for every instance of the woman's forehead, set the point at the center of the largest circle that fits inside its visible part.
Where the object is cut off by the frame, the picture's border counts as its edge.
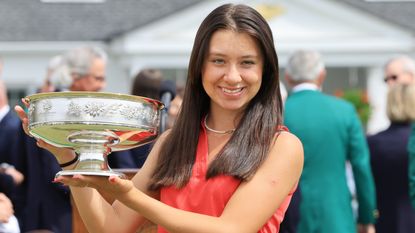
(226, 41)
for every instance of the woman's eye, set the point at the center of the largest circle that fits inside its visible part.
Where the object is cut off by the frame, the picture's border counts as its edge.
(247, 63)
(218, 61)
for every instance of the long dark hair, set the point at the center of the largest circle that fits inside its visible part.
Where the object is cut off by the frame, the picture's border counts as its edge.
(249, 144)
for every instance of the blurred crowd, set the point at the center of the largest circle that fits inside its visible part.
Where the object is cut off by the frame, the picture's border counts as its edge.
(334, 140)
(29, 200)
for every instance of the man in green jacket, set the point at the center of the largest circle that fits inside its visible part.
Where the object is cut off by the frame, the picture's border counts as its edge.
(331, 133)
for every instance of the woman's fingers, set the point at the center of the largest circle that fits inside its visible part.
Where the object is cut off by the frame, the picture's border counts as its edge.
(123, 185)
(25, 102)
(23, 117)
(79, 180)
(20, 112)
(113, 184)
(75, 180)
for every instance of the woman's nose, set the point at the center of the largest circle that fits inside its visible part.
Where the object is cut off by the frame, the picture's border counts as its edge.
(232, 74)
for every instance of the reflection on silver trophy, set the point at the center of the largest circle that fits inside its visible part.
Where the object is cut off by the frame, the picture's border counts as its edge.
(93, 124)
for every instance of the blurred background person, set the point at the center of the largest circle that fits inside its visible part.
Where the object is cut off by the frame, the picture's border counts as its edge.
(410, 111)
(399, 69)
(43, 205)
(389, 160)
(147, 83)
(10, 178)
(332, 134)
(58, 76)
(54, 63)
(87, 66)
(9, 125)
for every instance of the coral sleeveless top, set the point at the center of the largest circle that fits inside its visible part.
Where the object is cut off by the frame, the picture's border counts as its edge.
(210, 196)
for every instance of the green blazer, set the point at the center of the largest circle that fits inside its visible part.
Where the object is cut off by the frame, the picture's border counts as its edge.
(331, 133)
(411, 149)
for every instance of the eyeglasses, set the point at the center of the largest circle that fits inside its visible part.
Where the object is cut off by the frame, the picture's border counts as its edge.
(390, 77)
(97, 78)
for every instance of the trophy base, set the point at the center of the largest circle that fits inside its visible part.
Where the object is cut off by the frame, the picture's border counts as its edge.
(89, 173)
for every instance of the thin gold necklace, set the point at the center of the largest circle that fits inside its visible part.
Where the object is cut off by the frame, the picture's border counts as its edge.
(217, 131)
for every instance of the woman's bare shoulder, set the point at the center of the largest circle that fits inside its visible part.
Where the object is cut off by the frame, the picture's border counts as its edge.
(287, 139)
(288, 145)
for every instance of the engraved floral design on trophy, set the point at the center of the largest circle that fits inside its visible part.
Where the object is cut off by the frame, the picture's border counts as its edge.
(129, 112)
(94, 109)
(46, 106)
(114, 109)
(74, 109)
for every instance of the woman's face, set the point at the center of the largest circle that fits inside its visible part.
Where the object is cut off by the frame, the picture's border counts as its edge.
(232, 70)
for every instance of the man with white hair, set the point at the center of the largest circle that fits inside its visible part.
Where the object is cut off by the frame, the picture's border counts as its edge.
(402, 69)
(399, 69)
(87, 68)
(331, 133)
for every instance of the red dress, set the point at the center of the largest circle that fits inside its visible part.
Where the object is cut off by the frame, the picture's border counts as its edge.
(211, 196)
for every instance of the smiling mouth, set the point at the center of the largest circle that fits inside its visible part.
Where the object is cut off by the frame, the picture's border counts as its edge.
(232, 91)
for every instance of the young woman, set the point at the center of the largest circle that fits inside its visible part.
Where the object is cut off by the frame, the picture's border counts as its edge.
(227, 165)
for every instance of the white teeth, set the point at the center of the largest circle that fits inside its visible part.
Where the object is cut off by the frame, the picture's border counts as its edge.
(233, 91)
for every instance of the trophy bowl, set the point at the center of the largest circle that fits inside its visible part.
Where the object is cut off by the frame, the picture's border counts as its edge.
(93, 124)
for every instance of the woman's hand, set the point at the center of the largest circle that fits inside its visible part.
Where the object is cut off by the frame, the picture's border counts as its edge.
(22, 115)
(112, 187)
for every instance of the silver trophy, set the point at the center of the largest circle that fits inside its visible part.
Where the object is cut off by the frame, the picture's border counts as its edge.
(93, 124)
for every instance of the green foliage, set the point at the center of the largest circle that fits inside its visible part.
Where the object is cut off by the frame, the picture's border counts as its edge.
(359, 99)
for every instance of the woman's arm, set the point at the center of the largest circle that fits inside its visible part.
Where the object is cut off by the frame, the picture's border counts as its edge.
(253, 203)
(97, 214)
